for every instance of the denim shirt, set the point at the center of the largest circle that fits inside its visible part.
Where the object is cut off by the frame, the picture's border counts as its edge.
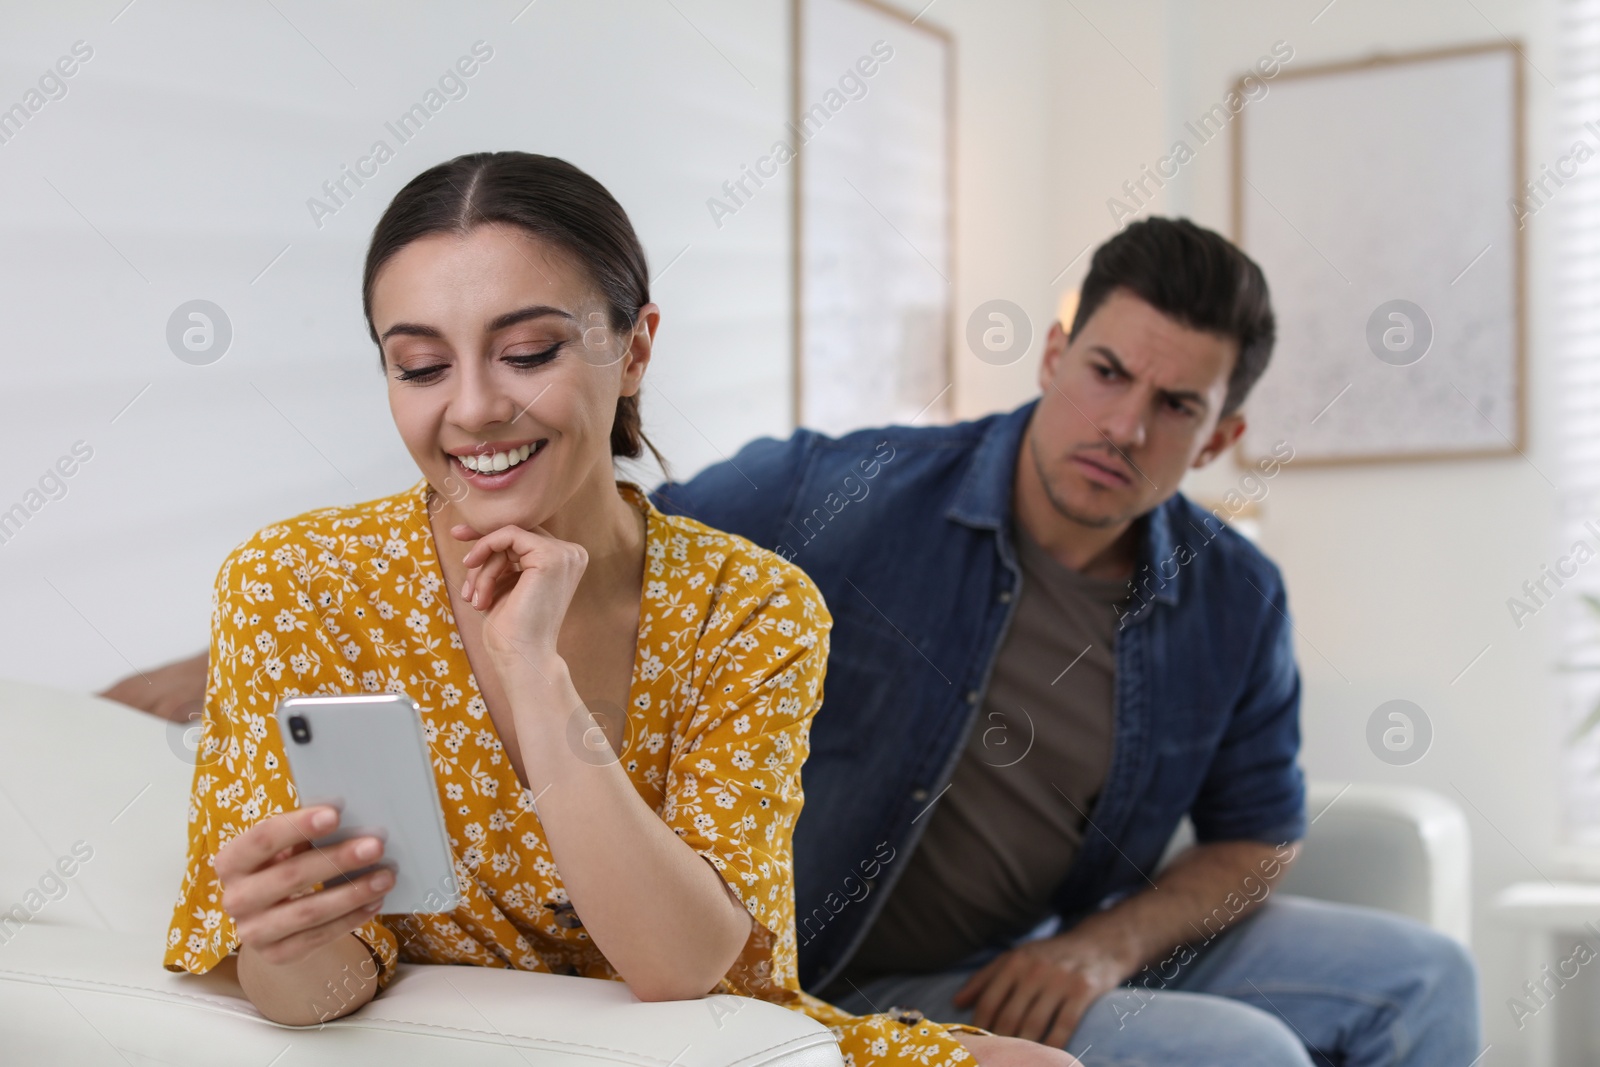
(908, 532)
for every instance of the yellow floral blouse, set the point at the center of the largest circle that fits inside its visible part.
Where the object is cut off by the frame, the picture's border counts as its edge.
(732, 645)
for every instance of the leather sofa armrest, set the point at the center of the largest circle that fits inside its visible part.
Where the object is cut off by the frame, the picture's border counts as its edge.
(74, 995)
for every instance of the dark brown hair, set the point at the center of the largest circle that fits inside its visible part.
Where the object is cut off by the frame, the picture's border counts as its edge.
(1193, 275)
(549, 198)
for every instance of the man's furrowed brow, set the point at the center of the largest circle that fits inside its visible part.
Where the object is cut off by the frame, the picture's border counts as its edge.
(1111, 357)
(1188, 396)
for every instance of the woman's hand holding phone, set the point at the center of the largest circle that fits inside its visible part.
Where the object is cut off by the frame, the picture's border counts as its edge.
(267, 874)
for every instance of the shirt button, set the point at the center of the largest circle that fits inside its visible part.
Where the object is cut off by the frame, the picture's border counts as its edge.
(972, 696)
(1005, 596)
(919, 795)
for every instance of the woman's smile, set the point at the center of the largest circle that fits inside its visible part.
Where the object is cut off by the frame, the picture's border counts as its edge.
(495, 466)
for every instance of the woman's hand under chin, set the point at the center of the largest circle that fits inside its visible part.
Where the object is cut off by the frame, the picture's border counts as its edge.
(523, 581)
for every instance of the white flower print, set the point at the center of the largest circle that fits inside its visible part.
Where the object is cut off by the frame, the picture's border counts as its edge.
(732, 641)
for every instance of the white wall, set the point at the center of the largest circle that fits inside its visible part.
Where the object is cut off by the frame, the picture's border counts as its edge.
(184, 153)
(1049, 126)
(179, 165)
(1398, 574)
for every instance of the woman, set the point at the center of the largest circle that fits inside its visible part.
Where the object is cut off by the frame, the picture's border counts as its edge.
(508, 296)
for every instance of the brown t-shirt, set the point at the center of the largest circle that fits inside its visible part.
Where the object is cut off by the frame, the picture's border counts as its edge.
(1001, 837)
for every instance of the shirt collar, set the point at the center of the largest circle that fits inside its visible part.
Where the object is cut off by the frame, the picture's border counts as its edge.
(1158, 568)
(984, 500)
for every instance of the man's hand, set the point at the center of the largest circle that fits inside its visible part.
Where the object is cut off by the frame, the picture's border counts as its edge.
(1039, 990)
(176, 691)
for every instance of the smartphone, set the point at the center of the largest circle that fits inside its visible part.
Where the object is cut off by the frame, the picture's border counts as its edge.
(365, 755)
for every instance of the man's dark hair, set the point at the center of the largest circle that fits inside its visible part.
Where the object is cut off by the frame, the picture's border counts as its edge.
(1195, 276)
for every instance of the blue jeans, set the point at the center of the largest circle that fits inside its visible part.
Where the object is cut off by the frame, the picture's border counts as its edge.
(1299, 981)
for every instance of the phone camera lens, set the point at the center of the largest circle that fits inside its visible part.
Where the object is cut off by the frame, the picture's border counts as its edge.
(299, 729)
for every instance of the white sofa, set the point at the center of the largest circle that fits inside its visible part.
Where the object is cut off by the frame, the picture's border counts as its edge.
(81, 982)
(92, 799)
(1398, 848)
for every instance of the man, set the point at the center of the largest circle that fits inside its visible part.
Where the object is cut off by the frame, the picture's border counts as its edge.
(1043, 658)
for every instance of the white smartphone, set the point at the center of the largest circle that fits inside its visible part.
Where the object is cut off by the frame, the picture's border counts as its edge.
(365, 755)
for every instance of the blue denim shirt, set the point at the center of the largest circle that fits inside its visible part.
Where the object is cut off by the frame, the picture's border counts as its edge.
(908, 533)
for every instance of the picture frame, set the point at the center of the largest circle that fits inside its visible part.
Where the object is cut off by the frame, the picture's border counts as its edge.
(1379, 195)
(872, 119)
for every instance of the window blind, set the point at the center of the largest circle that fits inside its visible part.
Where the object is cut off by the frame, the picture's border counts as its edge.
(1577, 236)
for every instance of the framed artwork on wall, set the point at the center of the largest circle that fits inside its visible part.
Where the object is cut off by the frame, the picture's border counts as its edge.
(873, 129)
(1384, 200)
